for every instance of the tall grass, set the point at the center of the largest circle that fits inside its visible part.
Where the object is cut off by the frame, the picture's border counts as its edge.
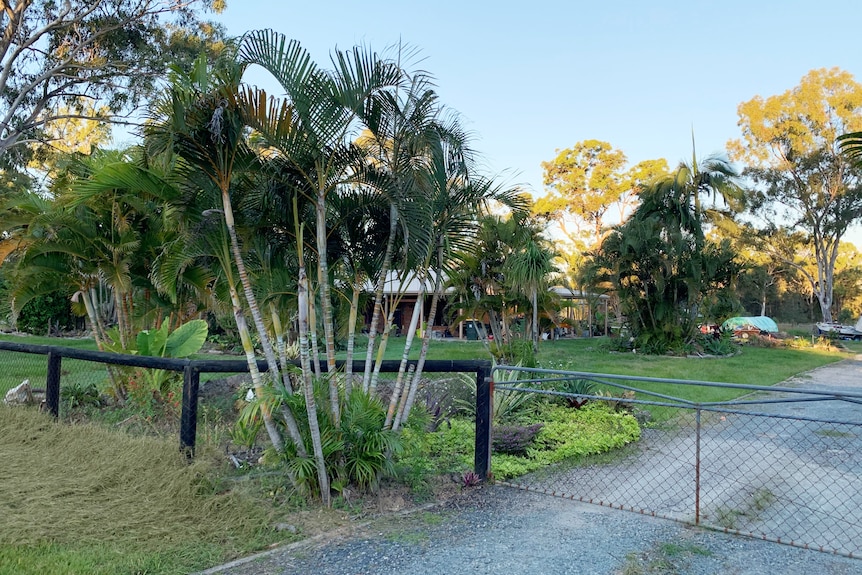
(85, 499)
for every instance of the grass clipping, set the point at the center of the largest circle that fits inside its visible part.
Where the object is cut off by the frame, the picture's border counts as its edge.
(86, 484)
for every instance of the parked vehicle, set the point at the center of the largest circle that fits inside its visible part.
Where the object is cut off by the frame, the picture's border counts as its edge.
(840, 331)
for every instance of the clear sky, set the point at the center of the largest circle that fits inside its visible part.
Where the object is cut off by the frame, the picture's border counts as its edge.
(529, 78)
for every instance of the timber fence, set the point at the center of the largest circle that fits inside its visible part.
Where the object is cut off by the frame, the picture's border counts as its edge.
(57, 366)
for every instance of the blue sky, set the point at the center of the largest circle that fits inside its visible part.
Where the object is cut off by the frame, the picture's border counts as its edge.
(529, 78)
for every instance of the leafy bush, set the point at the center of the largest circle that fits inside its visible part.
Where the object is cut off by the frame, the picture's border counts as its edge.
(618, 344)
(566, 433)
(156, 391)
(449, 449)
(570, 433)
(45, 313)
(515, 352)
(722, 344)
(357, 452)
(576, 387)
(77, 394)
(508, 404)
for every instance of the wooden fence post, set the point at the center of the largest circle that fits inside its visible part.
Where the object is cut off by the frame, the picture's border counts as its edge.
(484, 414)
(189, 415)
(52, 384)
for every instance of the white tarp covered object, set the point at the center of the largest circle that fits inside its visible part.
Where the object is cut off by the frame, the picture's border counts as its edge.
(842, 331)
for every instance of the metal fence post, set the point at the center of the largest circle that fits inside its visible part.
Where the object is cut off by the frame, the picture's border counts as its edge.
(697, 467)
(189, 415)
(484, 414)
(52, 384)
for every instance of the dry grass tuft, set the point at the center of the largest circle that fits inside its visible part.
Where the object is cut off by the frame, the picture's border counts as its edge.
(85, 484)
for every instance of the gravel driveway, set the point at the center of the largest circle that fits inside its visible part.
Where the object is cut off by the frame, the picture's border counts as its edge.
(497, 529)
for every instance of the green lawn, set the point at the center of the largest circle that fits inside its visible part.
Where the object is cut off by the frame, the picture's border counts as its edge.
(757, 366)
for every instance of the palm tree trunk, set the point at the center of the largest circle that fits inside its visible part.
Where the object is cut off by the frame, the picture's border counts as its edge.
(282, 347)
(405, 397)
(384, 340)
(426, 342)
(99, 336)
(98, 329)
(534, 300)
(351, 336)
(269, 354)
(399, 381)
(308, 388)
(326, 305)
(378, 297)
(256, 379)
(312, 333)
(495, 326)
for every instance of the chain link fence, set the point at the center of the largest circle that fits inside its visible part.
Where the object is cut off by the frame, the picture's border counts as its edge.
(780, 464)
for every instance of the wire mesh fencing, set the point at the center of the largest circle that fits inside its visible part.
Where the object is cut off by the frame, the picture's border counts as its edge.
(783, 464)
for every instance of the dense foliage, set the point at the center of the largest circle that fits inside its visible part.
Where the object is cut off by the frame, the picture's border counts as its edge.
(668, 276)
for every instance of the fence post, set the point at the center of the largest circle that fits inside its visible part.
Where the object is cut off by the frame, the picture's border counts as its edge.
(52, 384)
(189, 416)
(697, 467)
(484, 414)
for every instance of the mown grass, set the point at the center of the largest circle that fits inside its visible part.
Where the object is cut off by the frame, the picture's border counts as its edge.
(753, 365)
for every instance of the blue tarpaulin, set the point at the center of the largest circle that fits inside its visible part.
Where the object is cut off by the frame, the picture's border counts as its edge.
(761, 322)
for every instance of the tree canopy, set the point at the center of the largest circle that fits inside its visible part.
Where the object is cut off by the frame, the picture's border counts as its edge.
(802, 180)
(96, 59)
(587, 180)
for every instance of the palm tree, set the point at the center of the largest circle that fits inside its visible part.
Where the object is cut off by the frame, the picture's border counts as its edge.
(403, 135)
(313, 129)
(201, 121)
(527, 270)
(713, 176)
(458, 201)
(851, 146)
(662, 267)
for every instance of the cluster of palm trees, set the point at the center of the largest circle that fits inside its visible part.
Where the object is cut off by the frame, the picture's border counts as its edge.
(277, 212)
(668, 275)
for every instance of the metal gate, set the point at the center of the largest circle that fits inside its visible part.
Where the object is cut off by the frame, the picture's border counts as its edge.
(780, 463)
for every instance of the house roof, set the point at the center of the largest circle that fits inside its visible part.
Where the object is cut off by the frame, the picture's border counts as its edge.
(568, 293)
(410, 285)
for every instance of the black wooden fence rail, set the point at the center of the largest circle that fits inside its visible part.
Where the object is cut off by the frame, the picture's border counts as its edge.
(192, 368)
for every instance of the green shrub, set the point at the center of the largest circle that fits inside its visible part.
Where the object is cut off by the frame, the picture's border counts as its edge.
(565, 433)
(77, 394)
(576, 387)
(721, 345)
(515, 352)
(570, 433)
(45, 313)
(449, 449)
(357, 452)
(508, 405)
